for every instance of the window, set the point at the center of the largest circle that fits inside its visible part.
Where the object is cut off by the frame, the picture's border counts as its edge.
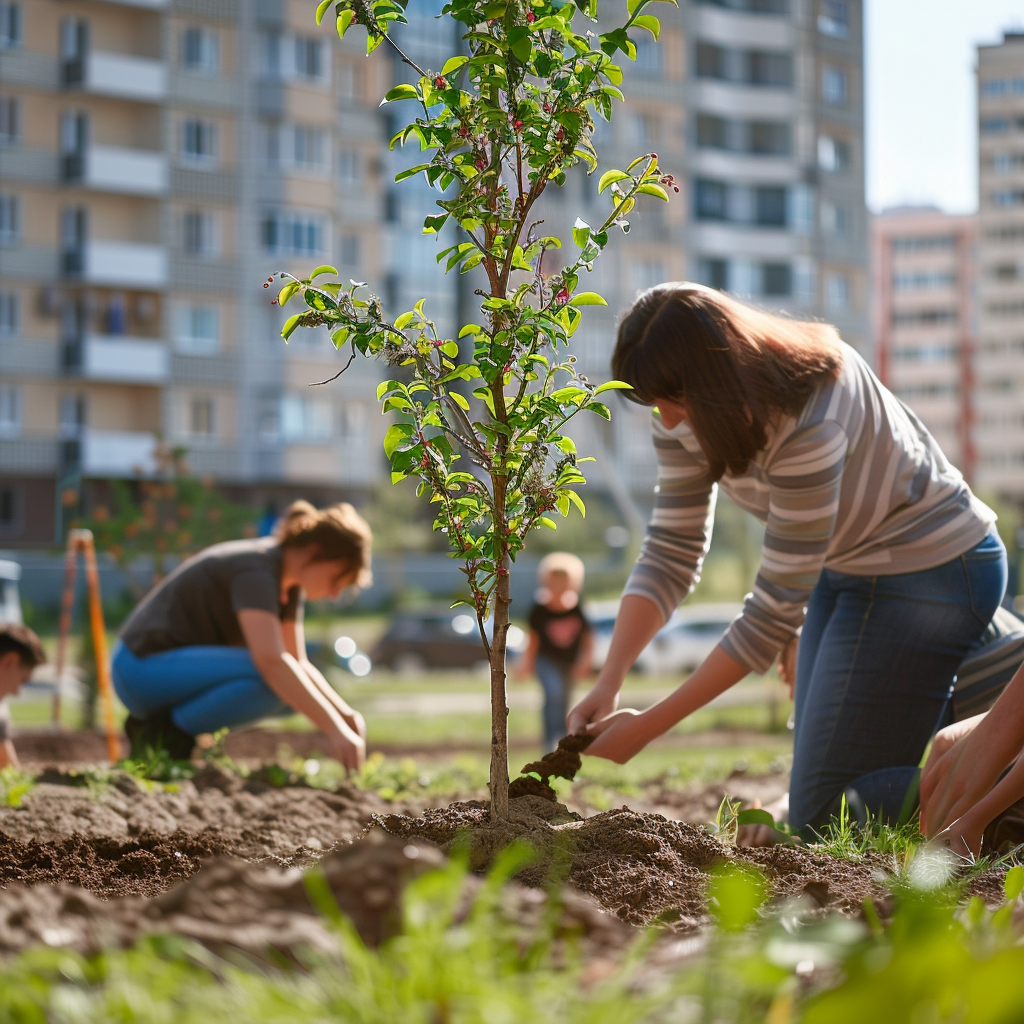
(710, 61)
(200, 50)
(306, 419)
(199, 142)
(646, 274)
(198, 330)
(834, 85)
(10, 218)
(10, 119)
(10, 25)
(648, 57)
(924, 243)
(769, 138)
(647, 131)
(837, 292)
(710, 199)
(776, 280)
(348, 251)
(924, 317)
(309, 58)
(834, 220)
(834, 18)
(833, 154)
(199, 234)
(10, 314)
(10, 509)
(770, 206)
(1008, 197)
(712, 132)
(918, 280)
(10, 411)
(309, 147)
(751, 6)
(295, 233)
(767, 68)
(72, 416)
(993, 125)
(74, 40)
(201, 417)
(347, 80)
(350, 169)
(714, 272)
(801, 209)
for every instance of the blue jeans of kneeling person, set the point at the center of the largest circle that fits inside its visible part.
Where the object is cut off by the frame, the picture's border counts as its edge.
(206, 688)
(877, 661)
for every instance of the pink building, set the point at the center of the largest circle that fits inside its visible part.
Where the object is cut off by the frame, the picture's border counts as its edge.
(924, 264)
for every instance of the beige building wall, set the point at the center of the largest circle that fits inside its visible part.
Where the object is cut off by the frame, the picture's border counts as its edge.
(925, 321)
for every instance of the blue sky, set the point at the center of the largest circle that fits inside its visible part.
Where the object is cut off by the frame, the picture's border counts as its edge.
(919, 64)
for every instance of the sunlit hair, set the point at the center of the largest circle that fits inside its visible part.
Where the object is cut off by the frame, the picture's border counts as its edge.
(734, 366)
(339, 533)
(562, 561)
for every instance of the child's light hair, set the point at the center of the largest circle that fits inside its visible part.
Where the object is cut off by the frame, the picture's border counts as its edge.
(562, 561)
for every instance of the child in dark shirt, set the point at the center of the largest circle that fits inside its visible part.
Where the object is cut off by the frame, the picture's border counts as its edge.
(561, 643)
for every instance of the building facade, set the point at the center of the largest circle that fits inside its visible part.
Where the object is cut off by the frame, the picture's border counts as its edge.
(925, 321)
(160, 158)
(999, 433)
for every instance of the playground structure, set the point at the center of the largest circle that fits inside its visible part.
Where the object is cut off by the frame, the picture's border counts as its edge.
(82, 541)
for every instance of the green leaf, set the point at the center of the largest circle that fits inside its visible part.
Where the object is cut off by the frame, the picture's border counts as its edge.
(609, 178)
(755, 816)
(520, 43)
(613, 385)
(345, 21)
(403, 320)
(581, 232)
(324, 269)
(736, 894)
(321, 9)
(396, 435)
(433, 224)
(1013, 885)
(453, 64)
(578, 502)
(650, 189)
(549, 523)
(411, 171)
(290, 324)
(401, 92)
(649, 22)
(587, 299)
(287, 292)
(470, 329)
(459, 400)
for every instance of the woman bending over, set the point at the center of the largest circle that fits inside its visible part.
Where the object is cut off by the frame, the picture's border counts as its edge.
(876, 552)
(219, 642)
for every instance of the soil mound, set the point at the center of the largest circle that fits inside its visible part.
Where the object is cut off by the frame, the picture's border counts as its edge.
(563, 762)
(263, 911)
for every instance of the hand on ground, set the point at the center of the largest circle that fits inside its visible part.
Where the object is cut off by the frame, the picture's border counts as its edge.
(963, 837)
(348, 748)
(597, 705)
(957, 775)
(620, 735)
(765, 835)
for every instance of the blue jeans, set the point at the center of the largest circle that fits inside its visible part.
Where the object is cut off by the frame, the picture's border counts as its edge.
(877, 661)
(207, 688)
(556, 683)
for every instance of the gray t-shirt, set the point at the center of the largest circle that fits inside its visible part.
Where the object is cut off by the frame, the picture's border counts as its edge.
(198, 604)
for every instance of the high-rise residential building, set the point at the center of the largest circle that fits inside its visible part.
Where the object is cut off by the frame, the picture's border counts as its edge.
(999, 397)
(756, 106)
(924, 263)
(160, 158)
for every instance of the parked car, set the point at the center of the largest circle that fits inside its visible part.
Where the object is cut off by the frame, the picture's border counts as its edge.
(679, 646)
(343, 653)
(448, 638)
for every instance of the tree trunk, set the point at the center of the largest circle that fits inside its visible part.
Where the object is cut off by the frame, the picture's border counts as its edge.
(499, 705)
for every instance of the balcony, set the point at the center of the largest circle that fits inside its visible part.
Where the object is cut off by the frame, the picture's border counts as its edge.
(119, 75)
(118, 264)
(136, 172)
(118, 453)
(118, 359)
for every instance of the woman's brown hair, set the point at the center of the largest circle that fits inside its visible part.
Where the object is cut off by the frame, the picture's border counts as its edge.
(733, 365)
(339, 533)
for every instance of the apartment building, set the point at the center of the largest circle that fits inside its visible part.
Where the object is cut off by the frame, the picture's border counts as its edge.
(158, 160)
(756, 106)
(924, 263)
(999, 396)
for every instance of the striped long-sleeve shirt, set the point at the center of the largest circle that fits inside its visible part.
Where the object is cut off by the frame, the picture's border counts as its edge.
(855, 483)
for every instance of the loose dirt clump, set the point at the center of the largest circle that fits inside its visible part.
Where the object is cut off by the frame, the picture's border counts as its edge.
(563, 762)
